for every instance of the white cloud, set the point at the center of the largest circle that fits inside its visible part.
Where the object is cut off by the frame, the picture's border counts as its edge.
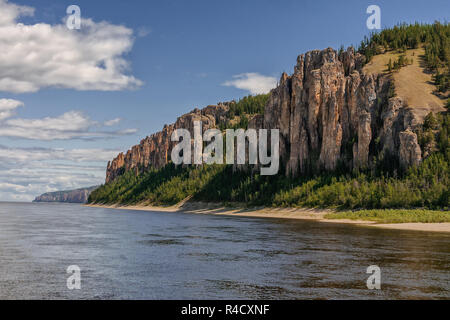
(72, 121)
(112, 122)
(10, 11)
(24, 188)
(28, 172)
(24, 155)
(255, 83)
(70, 125)
(42, 55)
(7, 107)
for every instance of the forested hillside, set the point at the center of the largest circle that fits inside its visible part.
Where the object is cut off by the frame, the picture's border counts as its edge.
(368, 173)
(423, 186)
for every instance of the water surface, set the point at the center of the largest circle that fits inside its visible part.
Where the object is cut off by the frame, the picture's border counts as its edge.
(125, 254)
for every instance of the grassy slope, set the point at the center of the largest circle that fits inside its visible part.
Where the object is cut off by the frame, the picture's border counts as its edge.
(412, 82)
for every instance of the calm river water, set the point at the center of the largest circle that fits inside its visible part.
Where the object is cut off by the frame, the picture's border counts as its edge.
(125, 254)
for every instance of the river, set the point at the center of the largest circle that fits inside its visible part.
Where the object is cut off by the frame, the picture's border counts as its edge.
(126, 254)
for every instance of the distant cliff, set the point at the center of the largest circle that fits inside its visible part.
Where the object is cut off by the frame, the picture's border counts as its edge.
(70, 196)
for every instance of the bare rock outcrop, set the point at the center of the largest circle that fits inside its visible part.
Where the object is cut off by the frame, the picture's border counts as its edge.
(410, 153)
(329, 113)
(154, 151)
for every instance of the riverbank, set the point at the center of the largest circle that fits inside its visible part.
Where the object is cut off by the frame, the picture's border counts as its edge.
(319, 215)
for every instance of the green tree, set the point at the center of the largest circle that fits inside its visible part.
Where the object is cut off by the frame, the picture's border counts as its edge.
(389, 65)
(430, 122)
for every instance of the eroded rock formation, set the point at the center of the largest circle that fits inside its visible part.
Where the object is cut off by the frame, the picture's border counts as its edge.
(329, 112)
(155, 150)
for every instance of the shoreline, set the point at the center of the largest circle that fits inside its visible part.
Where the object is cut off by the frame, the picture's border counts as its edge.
(278, 213)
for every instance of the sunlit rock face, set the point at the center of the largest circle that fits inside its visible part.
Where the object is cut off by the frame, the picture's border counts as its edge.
(154, 151)
(329, 113)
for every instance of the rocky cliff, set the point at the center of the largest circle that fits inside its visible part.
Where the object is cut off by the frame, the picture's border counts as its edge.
(71, 196)
(155, 149)
(329, 113)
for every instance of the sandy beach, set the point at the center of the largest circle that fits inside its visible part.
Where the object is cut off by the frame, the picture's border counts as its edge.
(277, 213)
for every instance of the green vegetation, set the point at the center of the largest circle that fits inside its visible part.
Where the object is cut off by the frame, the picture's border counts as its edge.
(167, 186)
(249, 105)
(425, 186)
(241, 110)
(402, 61)
(434, 134)
(389, 65)
(241, 124)
(393, 216)
(435, 38)
(382, 186)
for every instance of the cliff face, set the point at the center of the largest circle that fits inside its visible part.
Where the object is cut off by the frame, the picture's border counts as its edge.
(155, 150)
(328, 112)
(71, 196)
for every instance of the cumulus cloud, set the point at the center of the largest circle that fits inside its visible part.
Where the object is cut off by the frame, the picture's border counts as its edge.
(7, 107)
(10, 11)
(255, 83)
(42, 55)
(70, 125)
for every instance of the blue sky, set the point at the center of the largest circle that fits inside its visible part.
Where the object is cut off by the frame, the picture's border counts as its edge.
(181, 53)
